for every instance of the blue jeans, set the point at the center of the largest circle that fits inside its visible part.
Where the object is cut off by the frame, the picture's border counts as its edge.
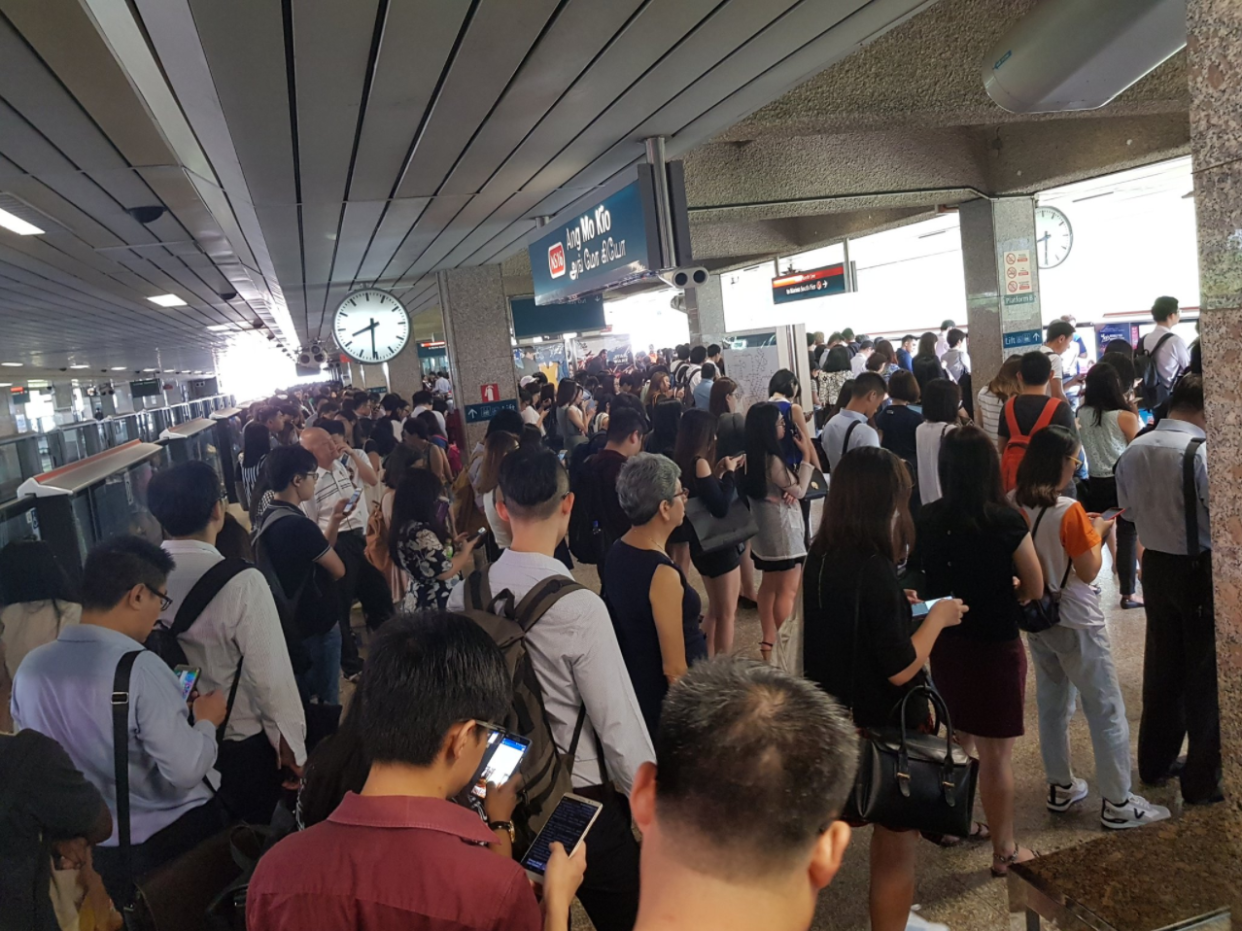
(323, 679)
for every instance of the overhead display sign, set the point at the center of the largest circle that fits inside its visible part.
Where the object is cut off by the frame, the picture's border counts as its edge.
(145, 388)
(610, 243)
(529, 319)
(801, 286)
(19, 394)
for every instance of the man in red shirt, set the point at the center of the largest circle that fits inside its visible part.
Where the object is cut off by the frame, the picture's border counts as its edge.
(399, 855)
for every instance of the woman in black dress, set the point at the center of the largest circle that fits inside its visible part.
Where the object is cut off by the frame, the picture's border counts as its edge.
(731, 441)
(859, 641)
(898, 422)
(712, 482)
(655, 611)
(971, 545)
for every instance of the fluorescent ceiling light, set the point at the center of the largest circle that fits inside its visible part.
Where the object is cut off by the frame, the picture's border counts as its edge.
(80, 365)
(6, 384)
(118, 368)
(150, 370)
(18, 225)
(12, 365)
(167, 300)
(220, 327)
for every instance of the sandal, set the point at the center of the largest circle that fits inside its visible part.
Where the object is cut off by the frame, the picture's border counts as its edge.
(765, 650)
(978, 832)
(1001, 863)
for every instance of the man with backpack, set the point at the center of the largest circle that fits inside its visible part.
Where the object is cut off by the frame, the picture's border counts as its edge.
(1060, 338)
(1165, 353)
(686, 377)
(1030, 410)
(223, 619)
(301, 561)
(95, 681)
(569, 679)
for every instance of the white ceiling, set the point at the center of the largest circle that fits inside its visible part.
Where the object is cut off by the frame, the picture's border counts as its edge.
(306, 147)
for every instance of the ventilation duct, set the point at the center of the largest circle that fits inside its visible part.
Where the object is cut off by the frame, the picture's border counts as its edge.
(1080, 54)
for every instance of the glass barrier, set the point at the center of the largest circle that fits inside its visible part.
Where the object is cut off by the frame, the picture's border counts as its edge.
(18, 521)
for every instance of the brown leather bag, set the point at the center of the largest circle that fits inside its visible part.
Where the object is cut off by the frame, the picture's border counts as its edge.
(376, 549)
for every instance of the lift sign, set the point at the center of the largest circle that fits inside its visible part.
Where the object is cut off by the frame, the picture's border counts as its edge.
(594, 250)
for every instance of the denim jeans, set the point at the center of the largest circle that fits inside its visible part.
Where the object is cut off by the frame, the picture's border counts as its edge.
(323, 679)
(1070, 662)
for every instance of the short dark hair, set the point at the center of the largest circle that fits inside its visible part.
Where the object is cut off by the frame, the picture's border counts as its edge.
(713, 350)
(1187, 394)
(869, 383)
(420, 397)
(1163, 308)
(708, 372)
(425, 673)
(866, 344)
(783, 382)
(903, 386)
(284, 462)
(414, 426)
(114, 567)
(1036, 368)
(330, 408)
(182, 497)
(506, 421)
(908, 338)
(683, 351)
(1059, 328)
(753, 763)
(941, 400)
(533, 482)
(331, 427)
(955, 336)
(30, 571)
(431, 422)
(624, 421)
(698, 355)
(947, 324)
(392, 403)
(1039, 473)
(264, 414)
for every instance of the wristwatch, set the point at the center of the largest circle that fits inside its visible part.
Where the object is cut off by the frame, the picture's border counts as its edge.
(503, 826)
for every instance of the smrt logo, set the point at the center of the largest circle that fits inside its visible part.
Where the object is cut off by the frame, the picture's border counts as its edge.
(556, 260)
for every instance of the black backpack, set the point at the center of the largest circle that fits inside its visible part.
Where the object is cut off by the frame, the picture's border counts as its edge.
(684, 375)
(1152, 391)
(295, 610)
(585, 533)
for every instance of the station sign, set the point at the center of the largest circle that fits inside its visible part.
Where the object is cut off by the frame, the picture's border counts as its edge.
(801, 286)
(612, 242)
(583, 315)
(19, 394)
(480, 413)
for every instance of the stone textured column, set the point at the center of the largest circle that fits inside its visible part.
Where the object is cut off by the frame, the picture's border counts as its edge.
(1215, 58)
(705, 309)
(990, 230)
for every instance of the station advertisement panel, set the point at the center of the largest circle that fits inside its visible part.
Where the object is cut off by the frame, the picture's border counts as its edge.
(801, 286)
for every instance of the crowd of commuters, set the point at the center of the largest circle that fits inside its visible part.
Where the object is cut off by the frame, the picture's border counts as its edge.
(990, 506)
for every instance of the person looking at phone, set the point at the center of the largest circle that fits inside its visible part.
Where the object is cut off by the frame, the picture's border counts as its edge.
(972, 544)
(238, 635)
(578, 664)
(421, 545)
(336, 482)
(399, 854)
(851, 427)
(738, 813)
(1075, 655)
(64, 690)
(859, 641)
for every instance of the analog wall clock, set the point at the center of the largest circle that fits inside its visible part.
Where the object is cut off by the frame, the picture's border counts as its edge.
(1054, 237)
(371, 326)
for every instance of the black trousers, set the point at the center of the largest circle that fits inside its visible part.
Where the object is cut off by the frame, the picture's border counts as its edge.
(1102, 495)
(191, 829)
(362, 581)
(249, 778)
(1179, 674)
(609, 890)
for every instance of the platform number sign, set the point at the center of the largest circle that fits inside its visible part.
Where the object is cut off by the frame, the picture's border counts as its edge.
(371, 326)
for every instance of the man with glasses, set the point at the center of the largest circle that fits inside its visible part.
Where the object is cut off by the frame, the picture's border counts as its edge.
(236, 640)
(67, 690)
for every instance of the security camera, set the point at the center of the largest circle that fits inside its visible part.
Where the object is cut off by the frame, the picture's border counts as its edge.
(689, 277)
(146, 214)
(228, 296)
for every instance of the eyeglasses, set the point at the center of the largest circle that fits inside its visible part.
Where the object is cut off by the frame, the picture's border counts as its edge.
(1077, 460)
(165, 601)
(684, 494)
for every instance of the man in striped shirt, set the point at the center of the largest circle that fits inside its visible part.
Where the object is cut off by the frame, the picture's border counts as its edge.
(335, 481)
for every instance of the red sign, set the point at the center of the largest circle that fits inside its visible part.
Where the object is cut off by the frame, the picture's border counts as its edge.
(556, 260)
(490, 392)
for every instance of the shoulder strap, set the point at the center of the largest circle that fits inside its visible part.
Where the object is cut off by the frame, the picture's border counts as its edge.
(1046, 415)
(271, 516)
(204, 590)
(1190, 497)
(120, 746)
(1011, 419)
(1160, 342)
(1069, 563)
(845, 444)
(542, 597)
(478, 593)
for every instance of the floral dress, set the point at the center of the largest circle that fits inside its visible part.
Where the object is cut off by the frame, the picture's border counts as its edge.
(424, 558)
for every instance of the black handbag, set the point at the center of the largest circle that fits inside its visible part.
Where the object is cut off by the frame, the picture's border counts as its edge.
(818, 486)
(719, 533)
(906, 781)
(1040, 614)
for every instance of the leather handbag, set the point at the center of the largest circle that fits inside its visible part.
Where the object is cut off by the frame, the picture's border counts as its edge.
(719, 533)
(1040, 614)
(917, 781)
(818, 486)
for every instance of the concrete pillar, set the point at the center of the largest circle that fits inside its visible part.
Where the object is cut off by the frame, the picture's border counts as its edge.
(1002, 281)
(1215, 74)
(705, 310)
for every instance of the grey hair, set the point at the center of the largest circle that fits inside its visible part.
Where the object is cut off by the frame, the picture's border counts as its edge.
(644, 483)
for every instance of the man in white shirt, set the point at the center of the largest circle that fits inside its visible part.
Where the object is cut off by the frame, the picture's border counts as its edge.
(237, 636)
(858, 364)
(1060, 338)
(422, 402)
(68, 690)
(850, 429)
(1166, 349)
(955, 361)
(335, 481)
(942, 341)
(578, 663)
(443, 387)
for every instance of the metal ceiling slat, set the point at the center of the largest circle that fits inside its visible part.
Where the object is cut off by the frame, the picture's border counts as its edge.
(320, 222)
(46, 260)
(520, 203)
(351, 242)
(65, 212)
(400, 216)
(438, 213)
(498, 39)
(402, 88)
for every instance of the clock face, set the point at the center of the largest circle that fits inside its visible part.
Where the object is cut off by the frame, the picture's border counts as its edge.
(1054, 237)
(371, 326)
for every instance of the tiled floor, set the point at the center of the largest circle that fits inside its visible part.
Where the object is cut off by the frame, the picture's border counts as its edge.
(954, 886)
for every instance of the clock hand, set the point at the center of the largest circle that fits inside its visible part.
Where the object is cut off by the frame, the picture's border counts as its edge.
(374, 354)
(373, 325)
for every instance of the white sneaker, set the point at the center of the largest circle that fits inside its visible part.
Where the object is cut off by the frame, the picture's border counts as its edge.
(1135, 813)
(917, 923)
(1061, 798)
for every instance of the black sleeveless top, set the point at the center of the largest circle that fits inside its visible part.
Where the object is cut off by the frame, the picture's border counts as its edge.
(628, 573)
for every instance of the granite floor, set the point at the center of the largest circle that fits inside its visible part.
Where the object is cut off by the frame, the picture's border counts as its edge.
(954, 886)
